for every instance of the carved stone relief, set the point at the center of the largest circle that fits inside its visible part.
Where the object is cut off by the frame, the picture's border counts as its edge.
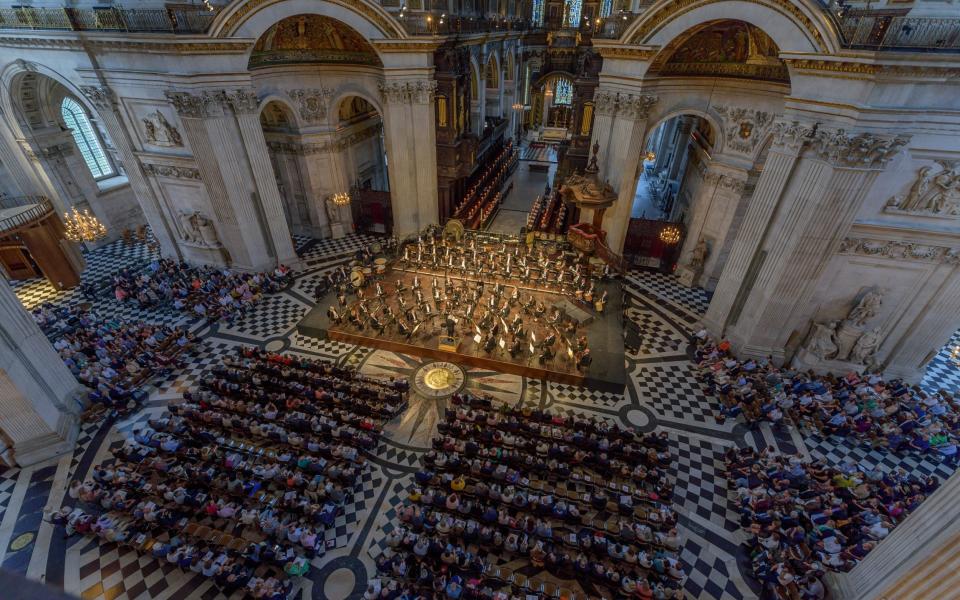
(159, 132)
(632, 106)
(312, 104)
(932, 192)
(420, 91)
(171, 171)
(744, 128)
(900, 250)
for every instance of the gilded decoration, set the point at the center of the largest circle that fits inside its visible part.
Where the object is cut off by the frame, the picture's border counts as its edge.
(311, 39)
(728, 49)
(676, 9)
(744, 128)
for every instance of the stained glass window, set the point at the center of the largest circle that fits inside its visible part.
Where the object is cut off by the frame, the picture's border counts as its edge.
(563, 92)
(87, 141)
(606, 7)
(573, 12)
(538, 12)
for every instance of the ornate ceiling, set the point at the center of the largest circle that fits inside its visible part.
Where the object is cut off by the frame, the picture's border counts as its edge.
(727, 49)
(312, 39)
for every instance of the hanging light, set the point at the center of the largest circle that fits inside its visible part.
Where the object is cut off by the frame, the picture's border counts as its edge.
(670, 235)
(651, 156)
(83, 226)
(341, 199)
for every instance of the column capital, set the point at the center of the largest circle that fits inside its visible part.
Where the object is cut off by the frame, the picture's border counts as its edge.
(416, 91)
(856, 150)
(195, 105)
(792, 135)
(101, 97)
(241, 100)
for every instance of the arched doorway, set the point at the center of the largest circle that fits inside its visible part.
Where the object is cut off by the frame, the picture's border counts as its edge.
(363, 161)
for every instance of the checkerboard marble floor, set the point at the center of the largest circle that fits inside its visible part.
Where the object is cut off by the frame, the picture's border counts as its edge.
(662, 394)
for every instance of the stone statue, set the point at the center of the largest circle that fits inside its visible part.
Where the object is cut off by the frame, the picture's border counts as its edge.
(822, 342)
(865, 310)
(208, 233)
(159, 131)
(190, 233)
(699, 256)
(866, 347)
(197, 229)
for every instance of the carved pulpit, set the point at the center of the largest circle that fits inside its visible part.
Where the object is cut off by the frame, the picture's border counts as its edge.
(586, 191)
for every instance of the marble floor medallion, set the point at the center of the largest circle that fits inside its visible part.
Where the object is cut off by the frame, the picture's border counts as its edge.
(439, 379)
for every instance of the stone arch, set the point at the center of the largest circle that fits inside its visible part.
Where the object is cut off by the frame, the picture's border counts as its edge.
(19, 76)
(251, 18)
(288, 108)
(656, 119)
(795, 25)
(494, 57)
(346, 91)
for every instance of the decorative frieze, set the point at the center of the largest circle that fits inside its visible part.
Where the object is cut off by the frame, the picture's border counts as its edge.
(337, 145)
(420, 91)
(933, 193)
(900, 250)
(743, 128)
(724, 182)
(312, 104)
(632, 106)
(57, 150)
(856, 150)
(172, 171)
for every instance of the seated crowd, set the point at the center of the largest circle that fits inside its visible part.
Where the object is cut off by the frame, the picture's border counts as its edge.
(885, 414)
(241, 480)
(805, 518)
(112, 358)
(576, 497)
(201, 291)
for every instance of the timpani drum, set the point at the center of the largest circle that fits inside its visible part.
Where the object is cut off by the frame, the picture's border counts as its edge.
(356, 277)
(380, 265)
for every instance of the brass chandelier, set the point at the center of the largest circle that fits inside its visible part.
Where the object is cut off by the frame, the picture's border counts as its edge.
(83, 226)
(341, 199)
(670, 234)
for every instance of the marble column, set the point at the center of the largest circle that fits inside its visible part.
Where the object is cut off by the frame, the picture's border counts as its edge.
(410, 132)
(105, 101)
(219, 126)
(625, 153)
(740, 269)
(919, 560)
(38, 409)
(681, 151)
(815, 212)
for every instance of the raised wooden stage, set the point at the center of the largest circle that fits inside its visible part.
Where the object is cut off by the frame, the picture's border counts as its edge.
(604, 335)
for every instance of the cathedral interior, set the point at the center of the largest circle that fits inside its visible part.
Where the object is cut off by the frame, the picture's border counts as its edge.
(486, 300)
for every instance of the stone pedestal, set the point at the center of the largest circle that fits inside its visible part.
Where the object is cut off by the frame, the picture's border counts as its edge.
(337, 230)
(804, 360)
(687, 276)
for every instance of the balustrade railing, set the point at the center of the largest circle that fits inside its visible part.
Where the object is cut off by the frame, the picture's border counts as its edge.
(859, 28)
(107, 19)
(40, 207)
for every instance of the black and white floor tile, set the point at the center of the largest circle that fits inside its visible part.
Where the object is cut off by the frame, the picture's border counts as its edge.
(662, 394)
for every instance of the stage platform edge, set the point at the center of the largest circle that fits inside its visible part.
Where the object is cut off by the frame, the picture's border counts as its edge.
(607, 373)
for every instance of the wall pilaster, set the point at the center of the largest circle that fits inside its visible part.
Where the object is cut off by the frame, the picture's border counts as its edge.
(815, 213)
(104, 99)
(38, 412)
(410, 131)
(744, 260)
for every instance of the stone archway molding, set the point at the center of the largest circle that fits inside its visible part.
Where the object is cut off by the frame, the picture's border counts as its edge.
(795, 25)
(250, 18)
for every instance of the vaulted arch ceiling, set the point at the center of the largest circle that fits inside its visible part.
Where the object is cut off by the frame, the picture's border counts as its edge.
(312, 39)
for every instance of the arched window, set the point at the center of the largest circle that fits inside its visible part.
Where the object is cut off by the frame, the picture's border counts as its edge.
(573, 12)
(563, 91)
(538, 12)
(87, 140)
(606, 8)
